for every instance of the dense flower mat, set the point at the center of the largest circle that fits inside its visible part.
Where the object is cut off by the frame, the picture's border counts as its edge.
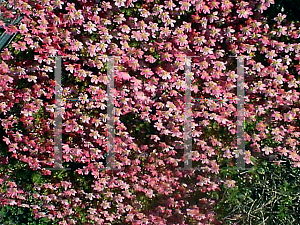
(150, 40)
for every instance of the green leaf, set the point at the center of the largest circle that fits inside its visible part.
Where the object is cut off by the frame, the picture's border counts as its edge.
(253, 159)
(261, 171)
(37, 178)
(215, 195)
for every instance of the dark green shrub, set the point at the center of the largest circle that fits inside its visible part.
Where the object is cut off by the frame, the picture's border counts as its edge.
(268, 194)
(12, 215)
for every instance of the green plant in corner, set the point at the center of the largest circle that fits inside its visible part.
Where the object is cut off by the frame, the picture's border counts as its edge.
(267, 193)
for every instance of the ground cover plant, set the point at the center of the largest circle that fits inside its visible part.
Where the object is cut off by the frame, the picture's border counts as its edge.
(267, 195)
(150, 40)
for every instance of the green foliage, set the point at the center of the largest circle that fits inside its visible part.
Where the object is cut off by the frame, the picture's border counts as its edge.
(134, 43)
(290, 8)
(15, 215)
(138, 128)
(268, 194)
(156, 55)
(12, 215)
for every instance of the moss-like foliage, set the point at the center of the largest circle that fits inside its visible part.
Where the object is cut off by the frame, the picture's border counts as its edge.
(267, 194)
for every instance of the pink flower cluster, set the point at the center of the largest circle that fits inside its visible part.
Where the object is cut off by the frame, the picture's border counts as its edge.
(149, 42)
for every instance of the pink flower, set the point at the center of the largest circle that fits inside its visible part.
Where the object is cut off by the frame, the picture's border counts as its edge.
(107, 38)
(147, 72)
(19, 46)
(207, 51)
(102, 46)
(32, 78)
(7, 141)
(144, 13)
(166, 57)
(119, 18)
(58, 3)
(280, 17)
(214, 4)
(277, 116)
(137, 35)
(205, 9)
(267, 150)
(182, 40)
(226, 4)
(120, 3)
(145, 36)
(105, 205)
(185, 5)
(153, 27)
(230, 183)
(219, 65)
(164, 32)
(281, 30)
(297, 164)
(134, 64)
(200, 40)
(6, 55)
(158, 126)
(150, 58)
(123, 75)
(92, 211)
(106, 6)
(93, 50)
(76, 45)
(293, 155)
(70, 68)
(186, 26)
(271, 54)
(164, 74)
(125, 29)
(23, 28)
(244, 13)
(70, 7)
(94, 134)
(169, 5)
(90, 27)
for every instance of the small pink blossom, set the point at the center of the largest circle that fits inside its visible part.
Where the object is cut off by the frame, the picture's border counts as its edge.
(244, 13)
(267, 150)
(230, 183)
(90, 27)
(185, 5)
